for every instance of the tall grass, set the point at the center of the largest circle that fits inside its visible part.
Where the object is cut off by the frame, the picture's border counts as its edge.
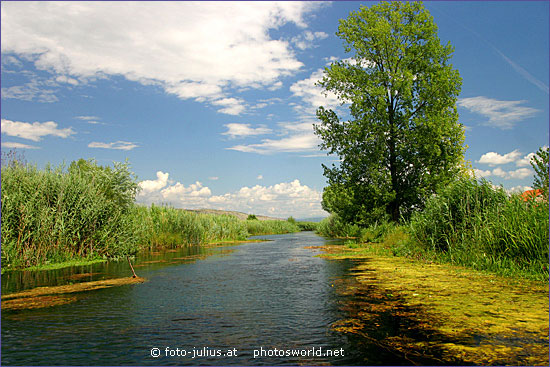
(264, 227)
(54, 215)
(88, 211)
(475, 224)
(162, 226)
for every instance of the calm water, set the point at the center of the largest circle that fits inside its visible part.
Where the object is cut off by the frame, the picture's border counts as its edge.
(241, 298)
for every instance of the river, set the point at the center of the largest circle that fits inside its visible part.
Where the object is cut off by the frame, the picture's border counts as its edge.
(249, 304)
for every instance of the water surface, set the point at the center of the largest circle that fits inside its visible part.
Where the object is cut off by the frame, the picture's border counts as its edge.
(241, 298)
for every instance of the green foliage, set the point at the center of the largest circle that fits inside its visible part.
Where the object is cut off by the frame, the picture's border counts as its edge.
(163, 226)
(251, 217)
(88, 212)
(334, 226)
(540, 164)
(472, 223)
(307, 226)
(56, 215)
(291, 220)
(403, 140)
(264, 227)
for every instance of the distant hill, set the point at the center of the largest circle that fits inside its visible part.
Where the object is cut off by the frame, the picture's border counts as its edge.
(239, 215)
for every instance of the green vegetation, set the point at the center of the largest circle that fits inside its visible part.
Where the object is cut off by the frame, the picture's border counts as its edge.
(403, 140)
(263, 227)
(307, 226)
(162, 226)
(540, 164)
(55, 215)
(402, 181)
(468, 223)
(87, 213)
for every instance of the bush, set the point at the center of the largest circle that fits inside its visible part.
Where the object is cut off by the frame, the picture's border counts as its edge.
(333, 226)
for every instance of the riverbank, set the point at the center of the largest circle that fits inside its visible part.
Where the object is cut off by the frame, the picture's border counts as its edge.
(442, 312)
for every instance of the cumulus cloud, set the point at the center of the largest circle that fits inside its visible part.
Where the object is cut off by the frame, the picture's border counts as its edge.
(501, 114)
(190, 49)
(493, 158)
(280, 200)
(149, 186)
(235, 130)
(519, 173)
(118, 145)
(34, 131)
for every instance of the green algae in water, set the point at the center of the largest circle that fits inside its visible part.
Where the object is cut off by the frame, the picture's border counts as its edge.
(445, 313)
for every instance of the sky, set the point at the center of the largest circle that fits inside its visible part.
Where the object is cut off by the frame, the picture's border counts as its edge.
(213, 103)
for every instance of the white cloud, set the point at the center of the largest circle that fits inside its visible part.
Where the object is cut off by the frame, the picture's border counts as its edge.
(93, 120)
(525, 161)
(232, 106)
(300, 138)
(501, 114)
(67, 80)
(518, 189)
(13, 145)
(182, 193)
(313, 95)
(34, 131)
(493, 158)
(519, 173)
(280, 200)
(149, 186)
(306, 39)
(118, 145)
(235, 130)
(35, 90)
(190, 49)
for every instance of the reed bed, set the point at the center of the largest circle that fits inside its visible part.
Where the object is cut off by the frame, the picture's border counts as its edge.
(87, 211)
(265, 227)
(54, 215)
(475, 224)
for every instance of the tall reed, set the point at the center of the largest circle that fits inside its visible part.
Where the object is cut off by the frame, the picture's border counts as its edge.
(54, 214)
(476, 224)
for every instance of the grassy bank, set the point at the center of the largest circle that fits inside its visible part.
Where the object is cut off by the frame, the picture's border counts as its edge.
(468, 223)
(86, 212)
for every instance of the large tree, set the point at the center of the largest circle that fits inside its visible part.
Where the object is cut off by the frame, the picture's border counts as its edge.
(401, 140)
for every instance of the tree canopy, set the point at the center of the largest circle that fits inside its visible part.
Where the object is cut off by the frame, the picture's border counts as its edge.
(402, 140)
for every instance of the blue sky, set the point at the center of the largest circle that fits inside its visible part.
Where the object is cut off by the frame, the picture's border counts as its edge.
(213, 103)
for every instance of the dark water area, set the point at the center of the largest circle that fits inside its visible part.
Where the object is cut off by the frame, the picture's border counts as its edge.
(219, 305)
